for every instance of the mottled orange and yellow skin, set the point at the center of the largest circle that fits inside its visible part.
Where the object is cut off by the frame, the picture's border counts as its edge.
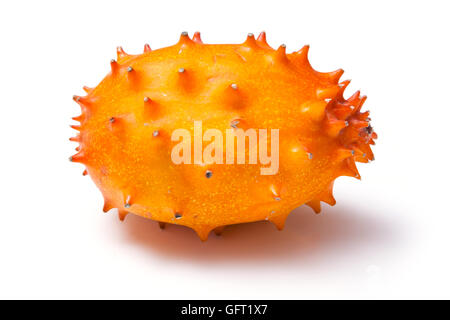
(127, 121)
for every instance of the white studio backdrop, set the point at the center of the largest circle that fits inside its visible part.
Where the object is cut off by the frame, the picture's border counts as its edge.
(387, 237)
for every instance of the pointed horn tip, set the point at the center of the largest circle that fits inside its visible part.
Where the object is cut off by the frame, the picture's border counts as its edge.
(120, 51)
(78, 157)
(87, 89)
(279, 222)
(336, 75)
(304, 51)
(203, 235)
(250, 41)
(281, 47)
(197, 38)
(114, 65)
(184, 39)
(281, 51)
(262, 37)
(344, 84)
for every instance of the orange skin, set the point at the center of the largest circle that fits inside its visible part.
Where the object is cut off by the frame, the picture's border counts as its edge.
(321, 134)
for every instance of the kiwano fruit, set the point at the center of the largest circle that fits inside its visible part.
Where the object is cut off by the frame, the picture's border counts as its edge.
(126, 125)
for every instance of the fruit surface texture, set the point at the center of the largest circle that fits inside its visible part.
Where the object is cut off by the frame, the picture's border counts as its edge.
(126, 125)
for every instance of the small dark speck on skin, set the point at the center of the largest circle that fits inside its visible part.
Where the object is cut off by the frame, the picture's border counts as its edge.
(234, 123)
(208, 174)
(178, 215)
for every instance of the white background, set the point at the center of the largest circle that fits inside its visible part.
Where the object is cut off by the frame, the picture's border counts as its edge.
(387, 237)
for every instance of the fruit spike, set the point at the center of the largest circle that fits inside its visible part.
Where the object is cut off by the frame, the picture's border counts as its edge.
(126, 124)
(196, 38)
(147, 48)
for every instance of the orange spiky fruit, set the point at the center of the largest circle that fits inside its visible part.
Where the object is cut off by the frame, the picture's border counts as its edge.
(127, 121)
